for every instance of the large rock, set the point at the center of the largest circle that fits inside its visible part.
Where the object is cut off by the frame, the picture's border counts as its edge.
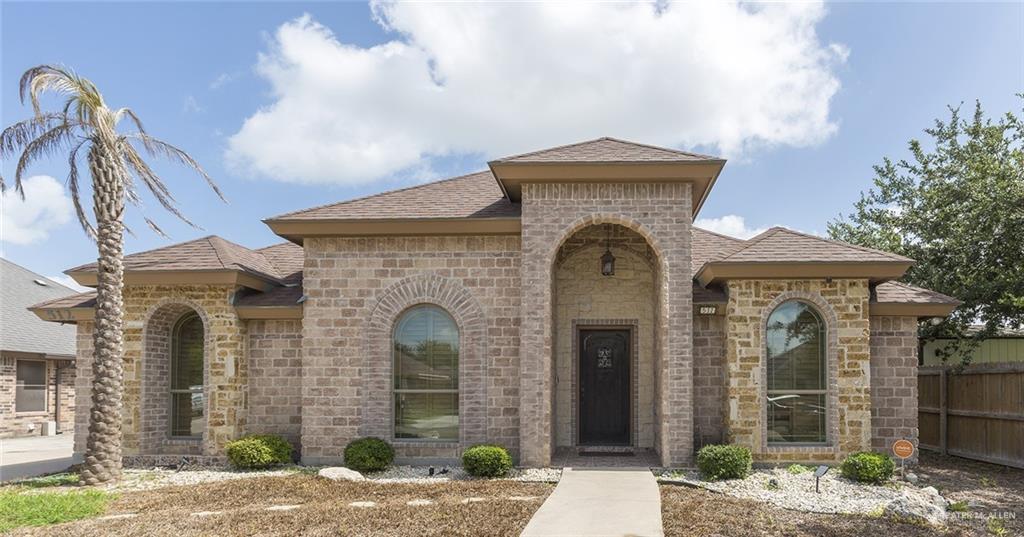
(338, 473)
(924, 505)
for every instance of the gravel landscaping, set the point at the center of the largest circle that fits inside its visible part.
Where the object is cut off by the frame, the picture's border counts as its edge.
(779, 487)
(421, 474)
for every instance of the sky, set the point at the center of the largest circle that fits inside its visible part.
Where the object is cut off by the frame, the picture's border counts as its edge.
(293, 105)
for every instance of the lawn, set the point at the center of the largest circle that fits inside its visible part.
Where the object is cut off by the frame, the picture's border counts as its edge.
(20, 508)
(240, 508)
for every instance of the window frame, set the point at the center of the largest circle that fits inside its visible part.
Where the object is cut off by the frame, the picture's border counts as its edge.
(824, 391)
(395, 391)
(45, 385)
(170, 378)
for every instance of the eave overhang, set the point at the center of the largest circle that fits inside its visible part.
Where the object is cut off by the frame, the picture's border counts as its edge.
(72, 315)
(181, 277)
(875, 271)
(297, 229)
(511, 176)
(269, 312)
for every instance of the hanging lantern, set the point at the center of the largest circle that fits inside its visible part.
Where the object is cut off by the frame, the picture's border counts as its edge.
(608, 260)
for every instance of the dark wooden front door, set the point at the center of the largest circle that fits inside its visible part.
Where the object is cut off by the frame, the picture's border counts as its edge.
(604, 387)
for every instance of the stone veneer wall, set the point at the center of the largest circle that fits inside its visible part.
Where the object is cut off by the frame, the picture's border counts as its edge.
(275, 378)
(661, 213)
(844, 306)
(585, 297)
(894, 348)
(351, 284)
(16, 423)
(708, 378)
(225, 375)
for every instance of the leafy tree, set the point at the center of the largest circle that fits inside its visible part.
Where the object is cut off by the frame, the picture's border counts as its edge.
(85, 123)
(957, 207)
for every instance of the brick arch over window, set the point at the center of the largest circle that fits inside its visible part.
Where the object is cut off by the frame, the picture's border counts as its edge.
(155, 404)
(828, 314)
(378, 400)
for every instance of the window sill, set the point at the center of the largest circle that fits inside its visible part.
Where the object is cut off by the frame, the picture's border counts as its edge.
(802, 448)
(406, 442)
(183, 441)
(31, 413)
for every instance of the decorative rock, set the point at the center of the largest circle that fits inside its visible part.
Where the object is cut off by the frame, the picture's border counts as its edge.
(282, 507)
(208, 513)
(118, 517)
(911, 477)
(363, 504)
(522, 498)
(338, 473)
(472, 500)
(927, 505)
(417, 503)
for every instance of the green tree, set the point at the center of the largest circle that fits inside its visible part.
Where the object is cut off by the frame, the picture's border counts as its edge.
(957, 207)
(85, 123)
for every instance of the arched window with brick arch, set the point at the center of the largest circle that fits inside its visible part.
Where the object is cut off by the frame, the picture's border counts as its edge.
(426, 375)
(797, 375)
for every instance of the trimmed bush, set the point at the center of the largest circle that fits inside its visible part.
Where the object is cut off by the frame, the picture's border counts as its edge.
(369, 455)
(487, 461)
(724, 462)
(868, 467)
(259, 451)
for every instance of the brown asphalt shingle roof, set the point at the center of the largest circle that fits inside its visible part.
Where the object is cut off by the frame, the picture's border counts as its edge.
(606, 150)
(206, 253)
(286, 258)
(781, 245)
(80, 300)
(710, 246)
(904, 293)
(476, 195)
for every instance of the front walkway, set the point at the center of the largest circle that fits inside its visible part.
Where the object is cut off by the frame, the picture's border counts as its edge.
(35, 455)
(600, 502)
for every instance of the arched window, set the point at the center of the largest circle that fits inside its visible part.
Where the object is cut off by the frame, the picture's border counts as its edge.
(797, 383)
(188, 404)
(426, 371)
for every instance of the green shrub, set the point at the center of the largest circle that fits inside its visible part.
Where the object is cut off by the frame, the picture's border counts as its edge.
(797, 469)
(369, 455)
(724, 462)
(487, 461)
(259, 451)
(868, 467)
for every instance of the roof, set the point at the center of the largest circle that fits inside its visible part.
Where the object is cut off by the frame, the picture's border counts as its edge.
(22, 331)
(779, 244)
(286, 258)
(904, 293)
(476, 195)
(606, 150)
(210, 253)
(709, 246)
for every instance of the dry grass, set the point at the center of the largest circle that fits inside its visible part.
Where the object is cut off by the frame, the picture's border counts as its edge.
(324, 511)
(697, 512)
(993, 490)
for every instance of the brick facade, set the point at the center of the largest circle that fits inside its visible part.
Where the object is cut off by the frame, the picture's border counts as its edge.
(60, 402)
(843, 304)
(894, 348)
(660, 213)
(708, 378)
(275, 379)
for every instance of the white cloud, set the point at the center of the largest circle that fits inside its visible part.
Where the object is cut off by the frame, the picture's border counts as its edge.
(731, 225)
(46, 207)
(68, 281)
(495, 79)
(191, 105)
(221, 80)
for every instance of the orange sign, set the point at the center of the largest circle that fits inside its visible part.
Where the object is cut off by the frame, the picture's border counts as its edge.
(903, 449)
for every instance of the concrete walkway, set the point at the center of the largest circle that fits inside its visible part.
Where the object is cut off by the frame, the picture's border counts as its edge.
(35, 455)
(600, 502)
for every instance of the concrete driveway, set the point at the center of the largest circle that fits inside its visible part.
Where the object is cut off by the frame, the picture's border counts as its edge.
(35, 455)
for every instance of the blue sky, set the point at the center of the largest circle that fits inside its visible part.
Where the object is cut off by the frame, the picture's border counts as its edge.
(295, 105)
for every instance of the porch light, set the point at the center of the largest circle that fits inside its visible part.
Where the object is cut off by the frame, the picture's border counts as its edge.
(608, 260)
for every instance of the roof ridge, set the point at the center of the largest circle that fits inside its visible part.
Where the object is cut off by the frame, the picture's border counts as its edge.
(669, 149)
(182, 243)
(754, 240)
(606, 138)
(722, 235)
(368, 196)
(217, 251)
(563, 146)
(896, 257)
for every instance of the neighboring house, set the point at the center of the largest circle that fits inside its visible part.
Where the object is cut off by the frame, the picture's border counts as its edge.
(560, 299)
(1006, 346)
(37, 372)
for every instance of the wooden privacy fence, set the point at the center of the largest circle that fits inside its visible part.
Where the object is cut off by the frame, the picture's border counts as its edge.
(976, 413)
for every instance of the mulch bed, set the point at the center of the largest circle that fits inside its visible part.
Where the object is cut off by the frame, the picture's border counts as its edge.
(324, 511)
(696, 512)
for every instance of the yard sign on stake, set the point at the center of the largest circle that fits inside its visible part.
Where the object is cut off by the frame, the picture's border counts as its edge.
(903, 449)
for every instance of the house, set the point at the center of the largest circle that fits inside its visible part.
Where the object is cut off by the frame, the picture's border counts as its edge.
(37, 370)
(559, 300)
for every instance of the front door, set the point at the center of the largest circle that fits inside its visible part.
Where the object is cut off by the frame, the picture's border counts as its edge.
(604, 387)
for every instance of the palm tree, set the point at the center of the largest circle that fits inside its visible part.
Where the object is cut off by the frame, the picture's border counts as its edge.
(85, 123)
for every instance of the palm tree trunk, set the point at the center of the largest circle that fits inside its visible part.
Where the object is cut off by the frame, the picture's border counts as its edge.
(103, 446)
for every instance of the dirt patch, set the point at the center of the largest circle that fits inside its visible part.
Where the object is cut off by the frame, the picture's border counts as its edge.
(696, 512)
(989, 490)
(240, 508)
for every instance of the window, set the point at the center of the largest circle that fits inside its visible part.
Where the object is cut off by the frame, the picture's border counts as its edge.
(426, 370)
(30, 389)
(187, 400)
(797, 384)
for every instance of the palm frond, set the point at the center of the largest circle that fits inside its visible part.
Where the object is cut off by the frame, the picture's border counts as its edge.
(45, 144)
(157, 147)
(122, 112)
(76, 197)
(153, 183)
(18, 135)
